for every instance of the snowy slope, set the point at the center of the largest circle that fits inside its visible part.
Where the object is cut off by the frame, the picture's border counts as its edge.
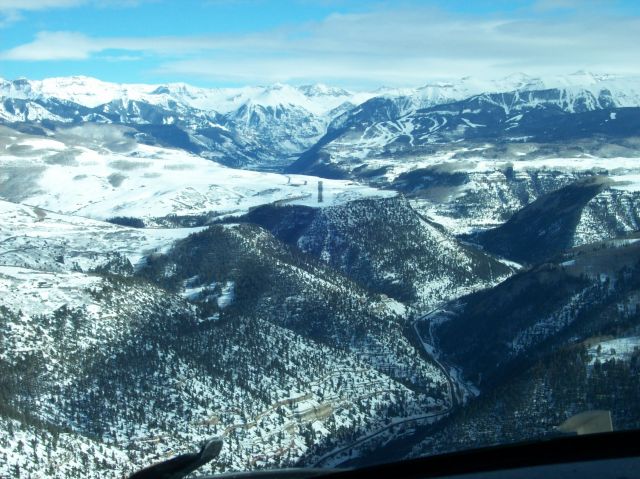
(39, 239)
(90, 92)
(149, 375)
(466, 191)
(76, 173)
(385, 245)
(133, 373)
(624, 90)
(388, 129)
(396, 127)
(580, 301)
(317, 99)
(614, 349)
(268, 126)
(231, 331)
(249, 126)
(66, 454)
(135, 365)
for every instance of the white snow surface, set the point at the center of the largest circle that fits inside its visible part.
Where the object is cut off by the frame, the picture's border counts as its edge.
(35, 238)
(619, 349)
(318, 99)
(40, 292)
(625, 90)
(150, 182)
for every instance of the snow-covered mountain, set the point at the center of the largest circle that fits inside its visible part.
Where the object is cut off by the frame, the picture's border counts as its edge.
(256, 126)
(121, 365)
(473, 160)
(390, 130)
(91, 92)
(470, 190)
(583, 212)
(115, 339)
(98, 171)
(155, 289)
(269, 126)
(422, 267)
(574, 317)
(624, 90)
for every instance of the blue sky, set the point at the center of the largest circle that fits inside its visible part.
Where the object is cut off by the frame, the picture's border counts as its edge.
(354, 43)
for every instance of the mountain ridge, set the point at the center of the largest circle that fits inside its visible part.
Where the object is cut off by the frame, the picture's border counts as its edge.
(157, 291)
(260, 127)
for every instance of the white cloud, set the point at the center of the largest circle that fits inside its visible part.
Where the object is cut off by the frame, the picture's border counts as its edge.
(11, 11)
(54, 46)
(404, 46)
(544, 5)
(120, 58)
(31, 5)
(15, 5)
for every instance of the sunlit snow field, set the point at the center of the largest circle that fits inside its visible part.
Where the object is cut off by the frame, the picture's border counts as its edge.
(148, 182)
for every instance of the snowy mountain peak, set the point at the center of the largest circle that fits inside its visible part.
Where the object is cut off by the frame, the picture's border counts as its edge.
(257, 125)
(321, 89)
(91, 92)
(585, 77)
(522, 81)
(317, 99)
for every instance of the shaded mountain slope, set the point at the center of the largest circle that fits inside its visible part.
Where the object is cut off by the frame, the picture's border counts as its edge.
(590, 210)
(384, 245)
(590, 291)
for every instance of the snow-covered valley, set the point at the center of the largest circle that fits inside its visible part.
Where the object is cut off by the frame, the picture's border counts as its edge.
(78, 324)
(153, 294)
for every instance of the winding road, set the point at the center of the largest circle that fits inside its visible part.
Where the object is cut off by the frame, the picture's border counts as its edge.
(320, 462)
(453, 390)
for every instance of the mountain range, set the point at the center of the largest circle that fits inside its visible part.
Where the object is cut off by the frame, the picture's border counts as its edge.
(318, 275)
(266, 127)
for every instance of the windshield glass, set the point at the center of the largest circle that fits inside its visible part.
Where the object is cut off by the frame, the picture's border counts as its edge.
(329, 233)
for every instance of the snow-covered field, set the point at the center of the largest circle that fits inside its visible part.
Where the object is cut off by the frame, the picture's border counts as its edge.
(147, 182)
(619, 349)
(34, 238)
(36, 292)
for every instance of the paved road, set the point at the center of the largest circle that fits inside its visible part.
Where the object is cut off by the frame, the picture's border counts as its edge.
(333, 453)
(453, 399)
(453, 390)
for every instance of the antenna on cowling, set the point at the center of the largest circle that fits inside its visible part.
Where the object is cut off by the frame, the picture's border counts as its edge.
(180, 466)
